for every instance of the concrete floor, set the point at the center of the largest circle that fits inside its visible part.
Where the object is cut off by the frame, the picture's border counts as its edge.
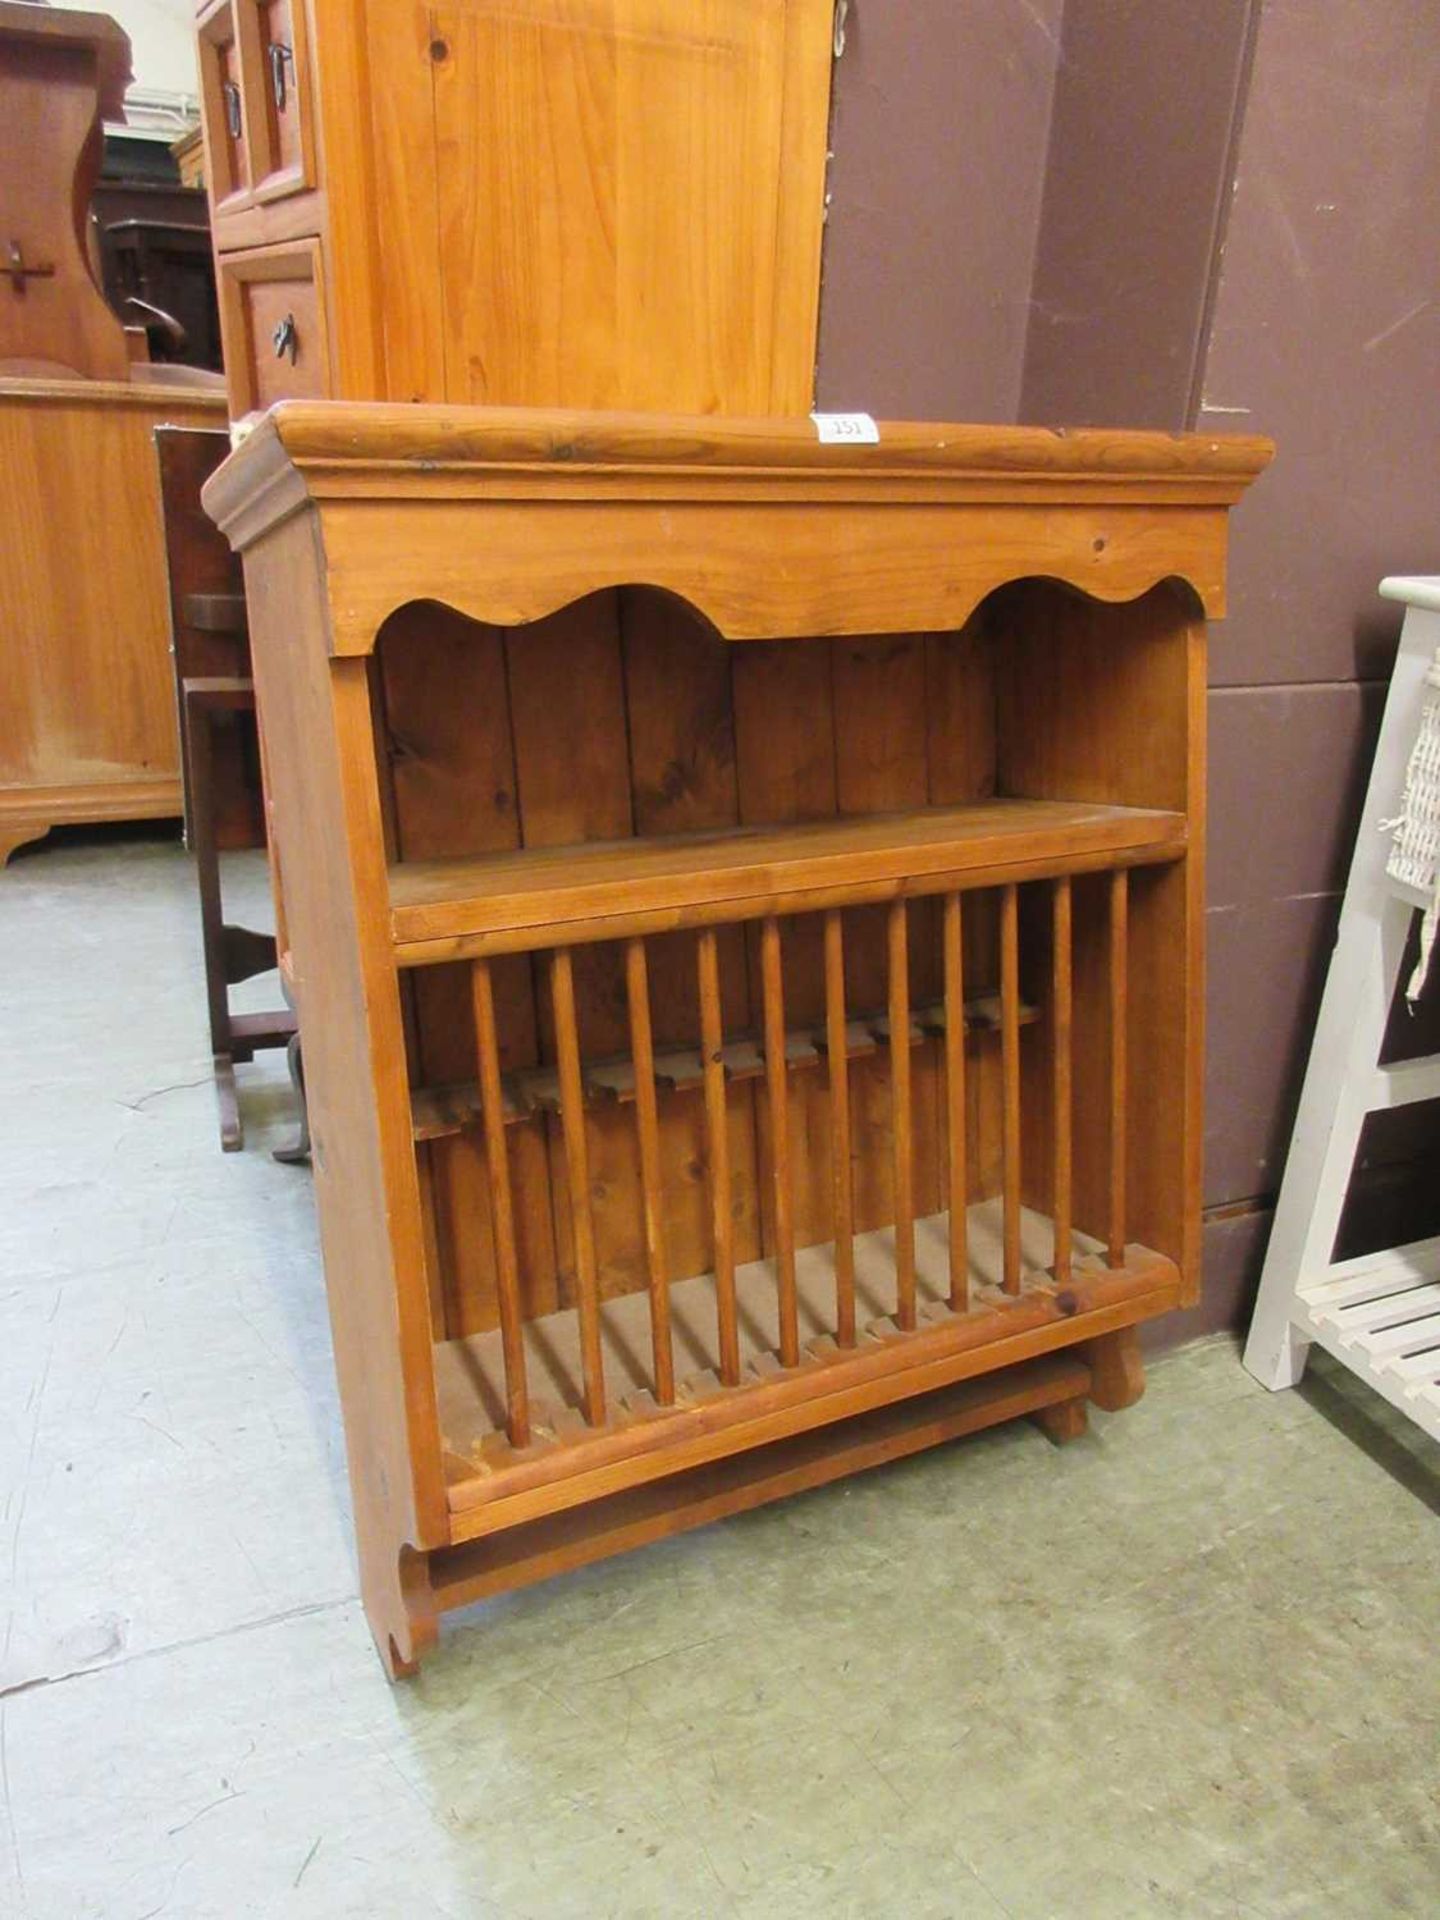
(1186, 1666)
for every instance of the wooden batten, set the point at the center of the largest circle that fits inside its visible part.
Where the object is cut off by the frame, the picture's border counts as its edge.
(837, 1054)
(778, 1092)
(1010, 1069)
(1119, 920)
(717, 1125)
(902, 1116)
(955, 1109)
(517, 1399)
(647, 1128)
(1062, 1209)
(577, 1168)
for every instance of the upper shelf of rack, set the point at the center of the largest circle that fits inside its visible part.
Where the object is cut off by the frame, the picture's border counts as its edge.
(678, 502)
(504, 902)
(340, 443)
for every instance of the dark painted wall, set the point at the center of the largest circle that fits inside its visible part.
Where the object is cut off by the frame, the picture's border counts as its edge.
(1145, 114)
(939, 135)
(1155, 212)
(1326, 334)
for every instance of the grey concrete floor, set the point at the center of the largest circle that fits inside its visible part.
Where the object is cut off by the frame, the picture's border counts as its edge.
(1185, 1666)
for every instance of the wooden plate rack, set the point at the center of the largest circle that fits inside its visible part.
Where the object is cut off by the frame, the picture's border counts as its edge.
(744, 902)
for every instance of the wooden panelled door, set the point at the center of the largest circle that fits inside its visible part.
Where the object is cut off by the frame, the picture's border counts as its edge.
(621, 203)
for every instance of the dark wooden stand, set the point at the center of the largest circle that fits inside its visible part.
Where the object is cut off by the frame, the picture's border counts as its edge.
(223, 798)
(232, 953)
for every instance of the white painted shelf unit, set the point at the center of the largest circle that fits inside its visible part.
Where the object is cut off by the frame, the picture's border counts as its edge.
(1378, 1314)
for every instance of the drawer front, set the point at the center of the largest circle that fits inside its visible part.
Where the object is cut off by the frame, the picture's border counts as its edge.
(286, 165)
(272, 316)
(225, 108)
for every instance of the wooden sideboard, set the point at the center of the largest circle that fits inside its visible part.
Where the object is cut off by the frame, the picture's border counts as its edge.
(746, 904)
(569, 202)
(87, 725)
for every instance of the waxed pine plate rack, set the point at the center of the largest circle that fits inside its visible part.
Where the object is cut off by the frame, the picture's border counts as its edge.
(745, 905)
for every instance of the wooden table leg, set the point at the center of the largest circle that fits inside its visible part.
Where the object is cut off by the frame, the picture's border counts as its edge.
(1117, 1370)
(230, 953)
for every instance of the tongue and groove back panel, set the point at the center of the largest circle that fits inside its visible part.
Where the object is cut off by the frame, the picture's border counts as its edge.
(624, 714)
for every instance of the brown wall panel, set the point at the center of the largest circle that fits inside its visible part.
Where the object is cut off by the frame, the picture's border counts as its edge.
(1233, 1248)
(1266, 971)
(1147, 100)
(1326, 334)
(939, 135)
(1117, 210)
(1288, 767)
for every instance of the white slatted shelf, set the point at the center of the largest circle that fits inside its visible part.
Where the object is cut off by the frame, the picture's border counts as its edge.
(1389, 1310)
(1412, 1336)
(1405, 1083)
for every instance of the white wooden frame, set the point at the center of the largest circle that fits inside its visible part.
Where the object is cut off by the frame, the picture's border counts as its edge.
(1378, 1314)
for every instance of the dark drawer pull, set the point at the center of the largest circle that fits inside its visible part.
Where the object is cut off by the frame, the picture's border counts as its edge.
(279, 54)
(286, 339)
(232, 108)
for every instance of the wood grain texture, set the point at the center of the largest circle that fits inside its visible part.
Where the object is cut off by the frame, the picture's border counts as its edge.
(957, 1182)
(837, 1056)
(443, 908)
(203, 577)
(646, 189)
(260, 290)
(1147, 660)
(1010, 1068)
(61, 74)
(647, 1128)
(88, 723)
(1118, 919)
(577, 1170)
(322, 768)
(644, 185)
(497, 1167)
(711, 1420)
(717, 1137)
(777, 1085)
(678, 505)
(1062, 1087)
(1167, 469)
(753, 814)
(902, 1119)
(619, 1522)
(449, 786)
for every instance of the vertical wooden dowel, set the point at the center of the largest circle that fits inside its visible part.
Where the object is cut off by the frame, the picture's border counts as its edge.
(647, 1126)
(955, 1102)
(1010, 1074)
(577, 1173)
(838, 1052)
(1061, 1040)
(902, 1158)
(1119, 1065)
(718, 1150)
(772, 988)
(502, 1218)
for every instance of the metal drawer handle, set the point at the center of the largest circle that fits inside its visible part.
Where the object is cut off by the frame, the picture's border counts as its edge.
(286, 339)
(279, 54)
(232, 108)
